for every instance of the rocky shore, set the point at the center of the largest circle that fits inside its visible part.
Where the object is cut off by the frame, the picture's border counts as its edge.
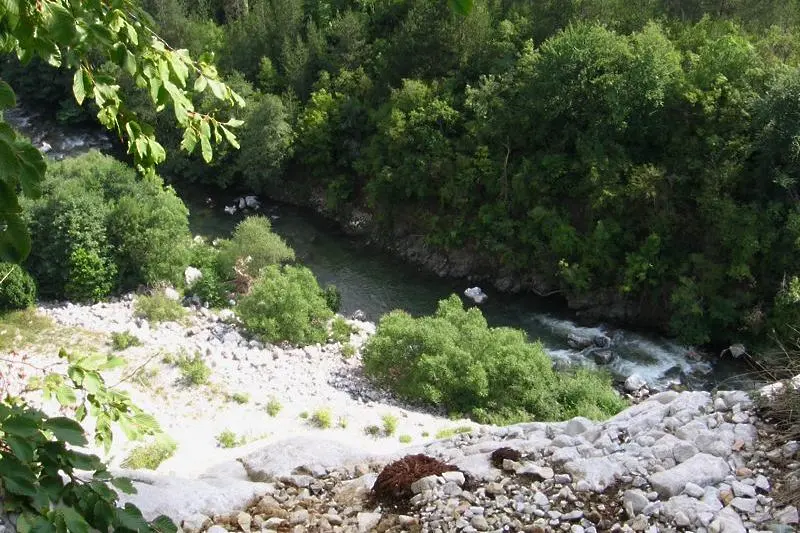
(689, 461)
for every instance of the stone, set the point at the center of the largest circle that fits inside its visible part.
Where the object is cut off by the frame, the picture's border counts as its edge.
(281, 458)
(196, 522)
(598, 472)
(476, 294)
(298, 517)
(762, 484)
(245, 521)
(191, 275)
(480, 523)
(368, 521)
(747, 505)
(702, 469)
(537, 472)
(681, 520)
(693, 490)
(252, 202)
(788, 515)
(635, 500)
(727, 521)
(454, 477)
(180, 498)
(743, 490)
(683, 451)
(634, 383)
(577, 341)
(216, 529)
(426, 483)
(171, 294)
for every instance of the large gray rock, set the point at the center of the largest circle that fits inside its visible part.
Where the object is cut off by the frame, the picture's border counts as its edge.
(181, 499)
(281, 458)
(702, 470)
(598, 472)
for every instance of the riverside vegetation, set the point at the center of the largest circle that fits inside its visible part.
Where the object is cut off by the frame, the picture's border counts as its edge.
(640, 161)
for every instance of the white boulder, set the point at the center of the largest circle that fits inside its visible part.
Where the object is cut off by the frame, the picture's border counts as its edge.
(252, 202)
(476, 294)
(191, 275)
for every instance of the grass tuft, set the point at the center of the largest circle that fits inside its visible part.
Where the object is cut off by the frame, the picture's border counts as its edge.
(122, 340)
(158, 308)
(149, 456)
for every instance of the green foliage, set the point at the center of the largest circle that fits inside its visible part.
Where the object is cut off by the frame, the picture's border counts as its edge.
(150, 456)
(333, 297)
(389, 424)
(405, 439)
(446, 433)
(194, 370)
(210, 288)
(18, 328)
(240, 397)
(98, 227)
(322, 418)
(253, 238)
(229, 439)
(341, 330)
(348, 350)
(285, 304)
(17, 288)
(42, 450)
(158, 308)
(372, 431)
(67, 37)
(274, 407)
(453, 359)
(122, 340)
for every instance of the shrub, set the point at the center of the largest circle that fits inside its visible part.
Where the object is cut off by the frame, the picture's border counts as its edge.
(99, 227)
(322, 418)
(453, 359)
(274, 407)
(285, 304)
(194, 370)
(149, 230)
(17, 288)
(210, 288)
(240, 397)
(150, 456)
(389, 424)
(333, 297)
(158, 308)
(348, 350)
(122, 340)
(253, 238)
(372, 431)
(229, 439)
(405, 439)
(340, 330)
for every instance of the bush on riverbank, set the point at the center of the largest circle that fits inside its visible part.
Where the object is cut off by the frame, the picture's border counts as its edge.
(17, 288)
(253, 242)
(99, 227)
(285, 304)
(454, 360)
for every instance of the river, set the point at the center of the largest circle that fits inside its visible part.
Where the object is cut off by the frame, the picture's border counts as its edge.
(375, 283)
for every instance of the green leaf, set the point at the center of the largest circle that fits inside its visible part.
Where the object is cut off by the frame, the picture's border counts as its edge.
(164, 524)
(128, 427)
(146, 422)
(463, 7)
(124, 484)
(15, 241)
(17, 477)
(205, 147)
(230, 137)
(22, 448)
(92, 382)
(189, 140)
(20, 426)
(112, 363)
(78, 87)
(32, 169)
(83, 461)
(92, 362)
(66, 429)
(75, 522)
(62, 24)
(66, 395)
(7, 97)
(130, 517)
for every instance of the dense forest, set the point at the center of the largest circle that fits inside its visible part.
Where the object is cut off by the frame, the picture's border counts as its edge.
(640, 157)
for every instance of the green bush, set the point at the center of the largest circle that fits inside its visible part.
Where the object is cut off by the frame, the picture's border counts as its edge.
(285, 304)
(453, 359)
(150, 456)
(274, 407)
(389, 424)
(122, 340)
(194, 370)
(210, 288)
(333, 297)
(229, 439)
(253, 238)
(341, 330)
(99, 227)
(17, 288)
(158, 308)
(322, 418)
(405, 439)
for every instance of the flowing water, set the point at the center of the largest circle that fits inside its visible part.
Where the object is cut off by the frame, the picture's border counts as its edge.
(375, 283)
